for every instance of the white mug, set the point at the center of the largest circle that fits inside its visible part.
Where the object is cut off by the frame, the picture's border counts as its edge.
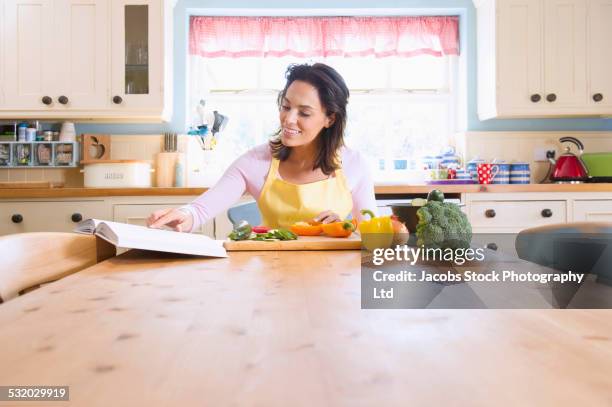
(67, 132)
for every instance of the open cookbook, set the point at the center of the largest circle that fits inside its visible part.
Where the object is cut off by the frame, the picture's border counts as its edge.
(140, 237)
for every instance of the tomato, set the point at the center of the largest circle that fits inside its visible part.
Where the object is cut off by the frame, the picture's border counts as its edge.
(261, 229)
(435, 195)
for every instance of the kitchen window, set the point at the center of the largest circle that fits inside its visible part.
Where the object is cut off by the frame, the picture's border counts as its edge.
(403, 103)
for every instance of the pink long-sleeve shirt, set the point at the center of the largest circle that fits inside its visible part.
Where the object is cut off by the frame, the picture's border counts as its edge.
(248, 173)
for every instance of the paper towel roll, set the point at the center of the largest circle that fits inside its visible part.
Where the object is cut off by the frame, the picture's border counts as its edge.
(165, 169)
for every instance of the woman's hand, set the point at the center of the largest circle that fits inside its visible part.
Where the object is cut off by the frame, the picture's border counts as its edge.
(327, 217)
(174, 218)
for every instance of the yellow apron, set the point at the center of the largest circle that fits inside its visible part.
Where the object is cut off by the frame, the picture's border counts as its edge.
(282, 203)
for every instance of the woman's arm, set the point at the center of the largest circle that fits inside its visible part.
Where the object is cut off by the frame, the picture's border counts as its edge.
(246, 173)
(358, 175)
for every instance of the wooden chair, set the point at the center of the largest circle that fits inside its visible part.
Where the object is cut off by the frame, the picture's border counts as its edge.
(31, 259)
(580, 246)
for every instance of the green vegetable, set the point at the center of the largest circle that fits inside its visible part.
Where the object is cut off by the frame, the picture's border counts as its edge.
(443, 225)
(435, 195)
(242, 231)
(275, 234)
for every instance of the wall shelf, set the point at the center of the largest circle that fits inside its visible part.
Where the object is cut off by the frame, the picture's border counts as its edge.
(39, 154)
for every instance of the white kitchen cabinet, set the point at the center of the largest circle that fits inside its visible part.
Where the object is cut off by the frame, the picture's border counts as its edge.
(514, 216)
(29, 54)
(593, 211)
(1, 57)
(137, 60)
(600, 54)
(59, 52)
(82, 57)
(537, 58)
(48, 216)
(86, 59)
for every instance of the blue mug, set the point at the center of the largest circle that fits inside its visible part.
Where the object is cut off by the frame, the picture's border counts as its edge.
(520, 173)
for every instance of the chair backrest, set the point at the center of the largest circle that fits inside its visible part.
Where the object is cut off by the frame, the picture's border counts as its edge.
(245, 211)
(568, 246)
(31, 259)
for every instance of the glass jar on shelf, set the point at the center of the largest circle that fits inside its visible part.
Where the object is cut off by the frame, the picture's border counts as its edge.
(43, 153)
(64, 153)
(23, 153)
(5, 154)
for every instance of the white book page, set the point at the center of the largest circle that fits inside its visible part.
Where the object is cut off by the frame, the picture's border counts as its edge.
(88, 226)
(140, 237)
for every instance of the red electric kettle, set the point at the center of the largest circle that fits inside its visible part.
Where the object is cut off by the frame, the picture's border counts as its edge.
(569, 167)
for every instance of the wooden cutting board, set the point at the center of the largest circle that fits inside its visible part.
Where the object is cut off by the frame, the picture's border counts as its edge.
(302, 243)
(31, 184)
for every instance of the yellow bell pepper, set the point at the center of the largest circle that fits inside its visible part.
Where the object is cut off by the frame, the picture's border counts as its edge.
(376, 232)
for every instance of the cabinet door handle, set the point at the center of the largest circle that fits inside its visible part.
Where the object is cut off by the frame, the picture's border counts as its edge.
(490, 213)
(47, 100)
(17, 218)
(76, 217)
(63, 100)
(551, 97)
(547, 213)
(535, 98)
(598, 97)
(117, 100)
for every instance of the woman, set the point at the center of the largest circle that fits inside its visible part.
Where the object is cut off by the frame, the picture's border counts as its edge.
(305, 172)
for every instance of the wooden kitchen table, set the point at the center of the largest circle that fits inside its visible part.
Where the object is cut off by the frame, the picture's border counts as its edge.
(286, 329)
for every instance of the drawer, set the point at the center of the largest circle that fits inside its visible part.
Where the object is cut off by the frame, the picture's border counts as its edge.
(593, 211)
(41, 216)
(513, 216)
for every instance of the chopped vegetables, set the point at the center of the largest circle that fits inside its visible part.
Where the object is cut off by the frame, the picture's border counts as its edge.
(244, 231)
(261, 229)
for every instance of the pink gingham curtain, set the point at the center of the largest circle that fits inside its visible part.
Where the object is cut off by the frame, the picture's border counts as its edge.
(306, 37)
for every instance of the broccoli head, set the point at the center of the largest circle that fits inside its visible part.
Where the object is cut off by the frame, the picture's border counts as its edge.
(443, 225)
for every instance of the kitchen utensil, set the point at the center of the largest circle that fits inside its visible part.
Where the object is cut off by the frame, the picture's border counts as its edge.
(486, 172)
(599, 165)
(569, 167)
(117, 174)
(170, 142)
(164, 170)
(352, 242)
(407, 214)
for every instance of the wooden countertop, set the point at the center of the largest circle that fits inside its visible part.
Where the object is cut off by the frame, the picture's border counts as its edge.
(379, 189)
(265, 329)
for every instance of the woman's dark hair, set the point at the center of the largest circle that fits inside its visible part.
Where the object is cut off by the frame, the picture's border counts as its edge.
(333, 94)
